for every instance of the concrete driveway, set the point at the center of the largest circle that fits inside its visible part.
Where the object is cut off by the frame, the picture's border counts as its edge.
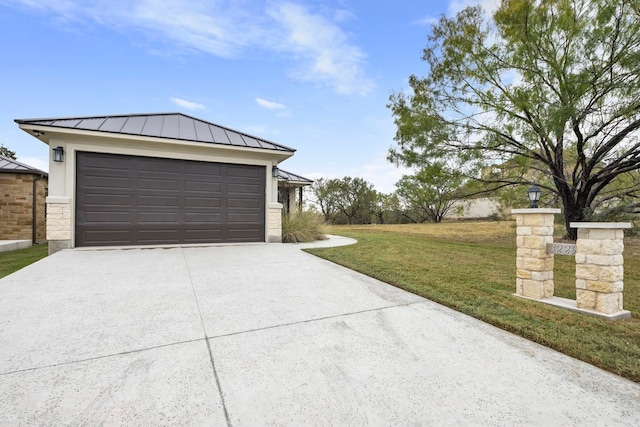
(264, 334)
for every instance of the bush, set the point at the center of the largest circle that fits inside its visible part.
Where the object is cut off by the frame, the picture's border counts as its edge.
(303, 226)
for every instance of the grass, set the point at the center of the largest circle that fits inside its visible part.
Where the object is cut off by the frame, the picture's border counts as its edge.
(470, 267)
(15, 260)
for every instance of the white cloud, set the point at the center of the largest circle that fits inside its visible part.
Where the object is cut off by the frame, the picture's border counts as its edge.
(456, 6)
(188, 104)
(323, 50)
(319, 48)
(270, 105)
(382, 174)
(489, 6)
(427, 21)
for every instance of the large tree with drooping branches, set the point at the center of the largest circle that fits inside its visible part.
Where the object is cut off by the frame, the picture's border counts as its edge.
(544, 90)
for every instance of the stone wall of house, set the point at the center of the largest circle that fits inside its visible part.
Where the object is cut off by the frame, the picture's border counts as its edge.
(478, 208)
(16, 207)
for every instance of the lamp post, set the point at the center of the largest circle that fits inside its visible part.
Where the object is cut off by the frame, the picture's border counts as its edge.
(534, 193)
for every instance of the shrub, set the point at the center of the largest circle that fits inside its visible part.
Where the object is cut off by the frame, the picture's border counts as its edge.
(303, 226)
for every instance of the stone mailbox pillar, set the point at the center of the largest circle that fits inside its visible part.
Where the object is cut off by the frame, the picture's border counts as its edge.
(599, 266)
(534, 266)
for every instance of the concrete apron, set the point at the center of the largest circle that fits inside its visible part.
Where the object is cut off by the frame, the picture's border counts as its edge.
(267, 334)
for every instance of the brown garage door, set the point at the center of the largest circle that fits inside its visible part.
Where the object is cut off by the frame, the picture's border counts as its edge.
(130, 200)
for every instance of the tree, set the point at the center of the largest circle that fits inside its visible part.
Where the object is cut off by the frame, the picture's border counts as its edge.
(351, 197)
(355, 198)
(549, 88)
(324, 192)
(4, 151)
(385, 207)
(431, 193)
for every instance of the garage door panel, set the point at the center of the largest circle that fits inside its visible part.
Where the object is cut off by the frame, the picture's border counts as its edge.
(252, 203)
(243, 218)
(127, 200)
(151, 164)
(204, 202)
(204, 236)
(157, 200)
(241, 235)
(158, 184)
(106, 218)
(203, 186)
(203, 218)
(238, 171)
(249, 189)
(157, 237)
(106, 165)
(203, 168)
(161, 218)
(108, 237)
(98, 200)
(114, 182)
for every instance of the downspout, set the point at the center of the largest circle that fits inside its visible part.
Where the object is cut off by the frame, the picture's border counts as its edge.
(34, 210)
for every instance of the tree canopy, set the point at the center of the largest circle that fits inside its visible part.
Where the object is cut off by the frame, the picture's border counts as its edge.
(5, 151)
(430, 193)
(548, 90)
(353, 198)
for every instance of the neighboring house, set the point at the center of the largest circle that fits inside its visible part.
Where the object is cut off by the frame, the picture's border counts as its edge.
(157, 179)
(478, 208)
(22, 201)
(290, 188)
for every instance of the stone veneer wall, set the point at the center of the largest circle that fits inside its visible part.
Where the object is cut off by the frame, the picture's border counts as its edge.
(58, 223)
(274, 228)
(16, 206)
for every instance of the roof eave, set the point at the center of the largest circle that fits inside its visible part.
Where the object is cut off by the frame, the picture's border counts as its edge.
(45, 133)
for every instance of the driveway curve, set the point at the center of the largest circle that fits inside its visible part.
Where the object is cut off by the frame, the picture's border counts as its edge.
(266, 334)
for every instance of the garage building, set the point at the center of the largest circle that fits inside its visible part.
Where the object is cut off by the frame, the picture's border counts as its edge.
(157, 179)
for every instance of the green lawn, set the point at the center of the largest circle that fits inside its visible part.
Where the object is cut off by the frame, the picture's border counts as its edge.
(15, 260)
(470, 267)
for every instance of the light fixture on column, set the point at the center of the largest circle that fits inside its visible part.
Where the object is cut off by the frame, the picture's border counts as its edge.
(58, 154)
(534, 193)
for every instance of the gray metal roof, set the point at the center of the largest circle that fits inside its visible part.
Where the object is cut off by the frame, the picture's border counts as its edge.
(8, 165)
(292, 177)
(160, 125)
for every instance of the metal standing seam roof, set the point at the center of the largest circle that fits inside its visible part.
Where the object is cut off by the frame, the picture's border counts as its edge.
(160, 125)
(288, 176)
(8, 165)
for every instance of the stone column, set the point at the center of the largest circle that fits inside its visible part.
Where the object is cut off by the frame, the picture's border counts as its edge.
(534, 266)
(58, 223)
(274, 224)
(599, 265)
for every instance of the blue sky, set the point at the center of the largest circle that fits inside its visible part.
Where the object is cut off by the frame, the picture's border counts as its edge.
(313, 75)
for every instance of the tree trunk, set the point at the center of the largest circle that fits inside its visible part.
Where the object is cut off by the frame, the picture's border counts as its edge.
(575, 210)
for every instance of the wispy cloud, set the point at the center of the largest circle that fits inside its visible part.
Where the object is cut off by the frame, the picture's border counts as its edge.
(313, 40)
(260, 131)
(427, 21)
(323, 49)
(489, 6)
(456, 6)
(270, 105)
(187, 104)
